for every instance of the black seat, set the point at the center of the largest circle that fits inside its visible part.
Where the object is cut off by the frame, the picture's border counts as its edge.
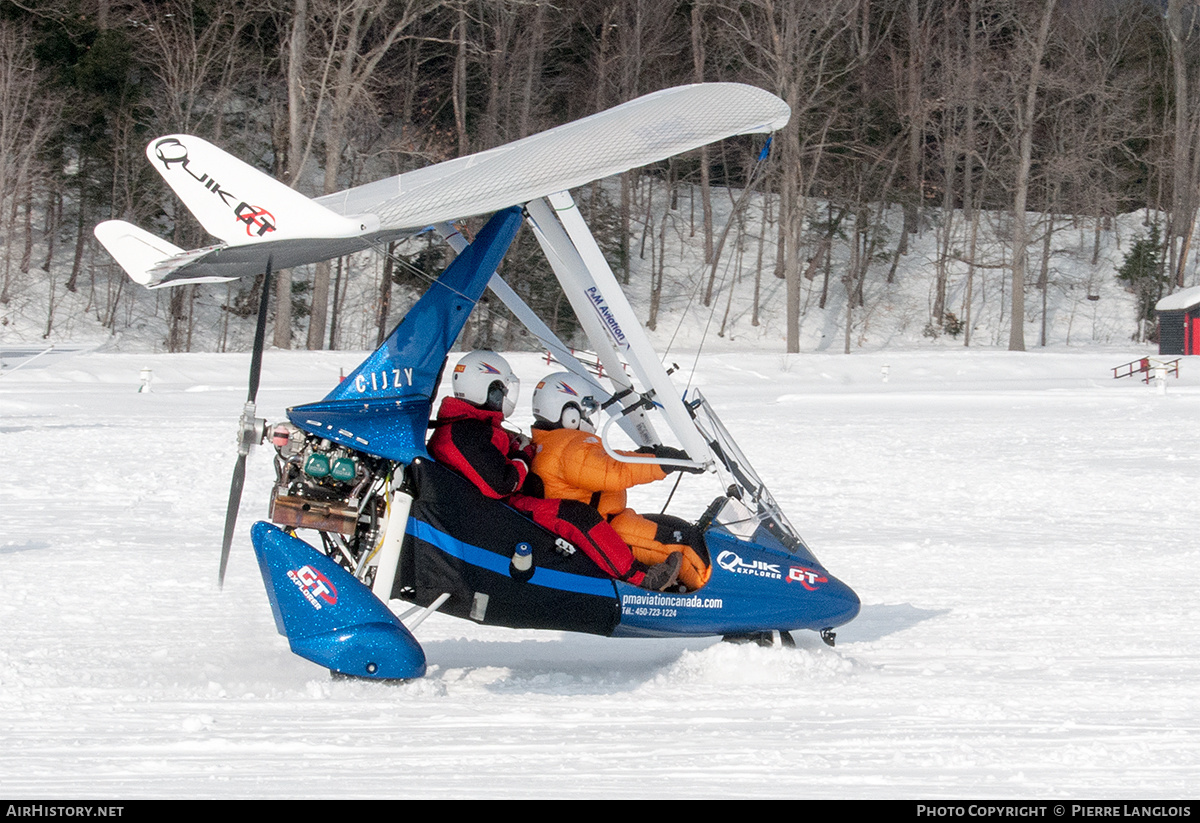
(462, 544)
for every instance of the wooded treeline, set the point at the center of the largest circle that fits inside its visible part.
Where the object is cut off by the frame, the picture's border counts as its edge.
(1047, 110)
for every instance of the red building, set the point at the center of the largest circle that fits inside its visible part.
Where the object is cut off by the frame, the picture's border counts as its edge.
(1179, 322)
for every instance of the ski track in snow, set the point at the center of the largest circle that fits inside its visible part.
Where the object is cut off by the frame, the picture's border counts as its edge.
(1021, 529)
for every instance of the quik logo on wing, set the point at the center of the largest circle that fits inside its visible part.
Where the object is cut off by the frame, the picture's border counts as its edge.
(170, 151)
(314, 586)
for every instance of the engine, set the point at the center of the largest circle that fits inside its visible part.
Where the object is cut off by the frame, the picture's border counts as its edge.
(329, 488)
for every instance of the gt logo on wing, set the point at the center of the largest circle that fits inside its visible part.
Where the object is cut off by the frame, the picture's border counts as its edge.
(258, 220)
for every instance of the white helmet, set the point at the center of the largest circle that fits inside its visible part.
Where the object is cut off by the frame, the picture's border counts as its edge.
(566, 400)
(485, 379)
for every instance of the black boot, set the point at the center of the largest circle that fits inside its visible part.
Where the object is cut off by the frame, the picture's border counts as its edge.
(663, 575)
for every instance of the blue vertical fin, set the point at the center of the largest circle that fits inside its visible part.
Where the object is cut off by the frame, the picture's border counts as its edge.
(383, 406)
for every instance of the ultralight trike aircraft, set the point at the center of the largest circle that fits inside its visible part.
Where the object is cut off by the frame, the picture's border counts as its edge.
(391, 523)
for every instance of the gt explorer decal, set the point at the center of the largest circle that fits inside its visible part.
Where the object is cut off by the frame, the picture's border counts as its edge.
(808, 578)
(732, 562)
(258, 221)
(313, 585)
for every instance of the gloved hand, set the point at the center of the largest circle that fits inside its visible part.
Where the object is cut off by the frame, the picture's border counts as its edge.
(671, 453)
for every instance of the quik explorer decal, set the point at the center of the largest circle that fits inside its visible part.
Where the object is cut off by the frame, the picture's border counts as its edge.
(732, 562)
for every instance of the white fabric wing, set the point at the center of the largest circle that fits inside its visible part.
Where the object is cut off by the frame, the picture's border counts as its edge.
(642, 131)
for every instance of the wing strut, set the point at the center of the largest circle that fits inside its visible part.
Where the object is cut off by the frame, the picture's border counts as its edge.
(574, 276)
(608, 319)
(546, 336)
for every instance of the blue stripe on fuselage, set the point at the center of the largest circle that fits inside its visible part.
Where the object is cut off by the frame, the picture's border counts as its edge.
(498, 563)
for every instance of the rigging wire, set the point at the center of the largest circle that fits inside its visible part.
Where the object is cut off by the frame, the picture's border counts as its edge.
(382, 248)
(756, 175)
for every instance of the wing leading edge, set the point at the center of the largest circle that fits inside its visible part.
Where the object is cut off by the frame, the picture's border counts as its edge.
(645, 130)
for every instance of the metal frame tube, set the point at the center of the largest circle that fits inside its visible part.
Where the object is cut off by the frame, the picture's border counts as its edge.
(388, 560)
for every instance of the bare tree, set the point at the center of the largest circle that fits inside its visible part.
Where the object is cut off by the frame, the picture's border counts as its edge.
(357, 34)
(1183, 35)
(195, 59)
(698, 59)
(918, 28)
(799, 51)
(1024, 79)
(27, 120)
(295, 151)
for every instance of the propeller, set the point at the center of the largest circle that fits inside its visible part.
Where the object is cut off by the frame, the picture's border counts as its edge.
(251, 429)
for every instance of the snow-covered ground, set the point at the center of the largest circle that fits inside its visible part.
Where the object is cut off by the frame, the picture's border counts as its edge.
(1021, 529)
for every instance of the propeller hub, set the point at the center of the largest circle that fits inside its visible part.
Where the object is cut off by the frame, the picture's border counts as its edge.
(251, 430)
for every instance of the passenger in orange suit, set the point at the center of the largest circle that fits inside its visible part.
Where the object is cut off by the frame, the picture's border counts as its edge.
(468, 437)
(573, 465)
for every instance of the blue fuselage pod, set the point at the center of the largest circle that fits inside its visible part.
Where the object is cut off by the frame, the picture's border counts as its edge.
(328, 616)
(462, 543)
(754, 587)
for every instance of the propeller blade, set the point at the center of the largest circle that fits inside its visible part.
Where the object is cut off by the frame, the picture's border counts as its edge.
(231, 513)
(260, 332)
(250, 429)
